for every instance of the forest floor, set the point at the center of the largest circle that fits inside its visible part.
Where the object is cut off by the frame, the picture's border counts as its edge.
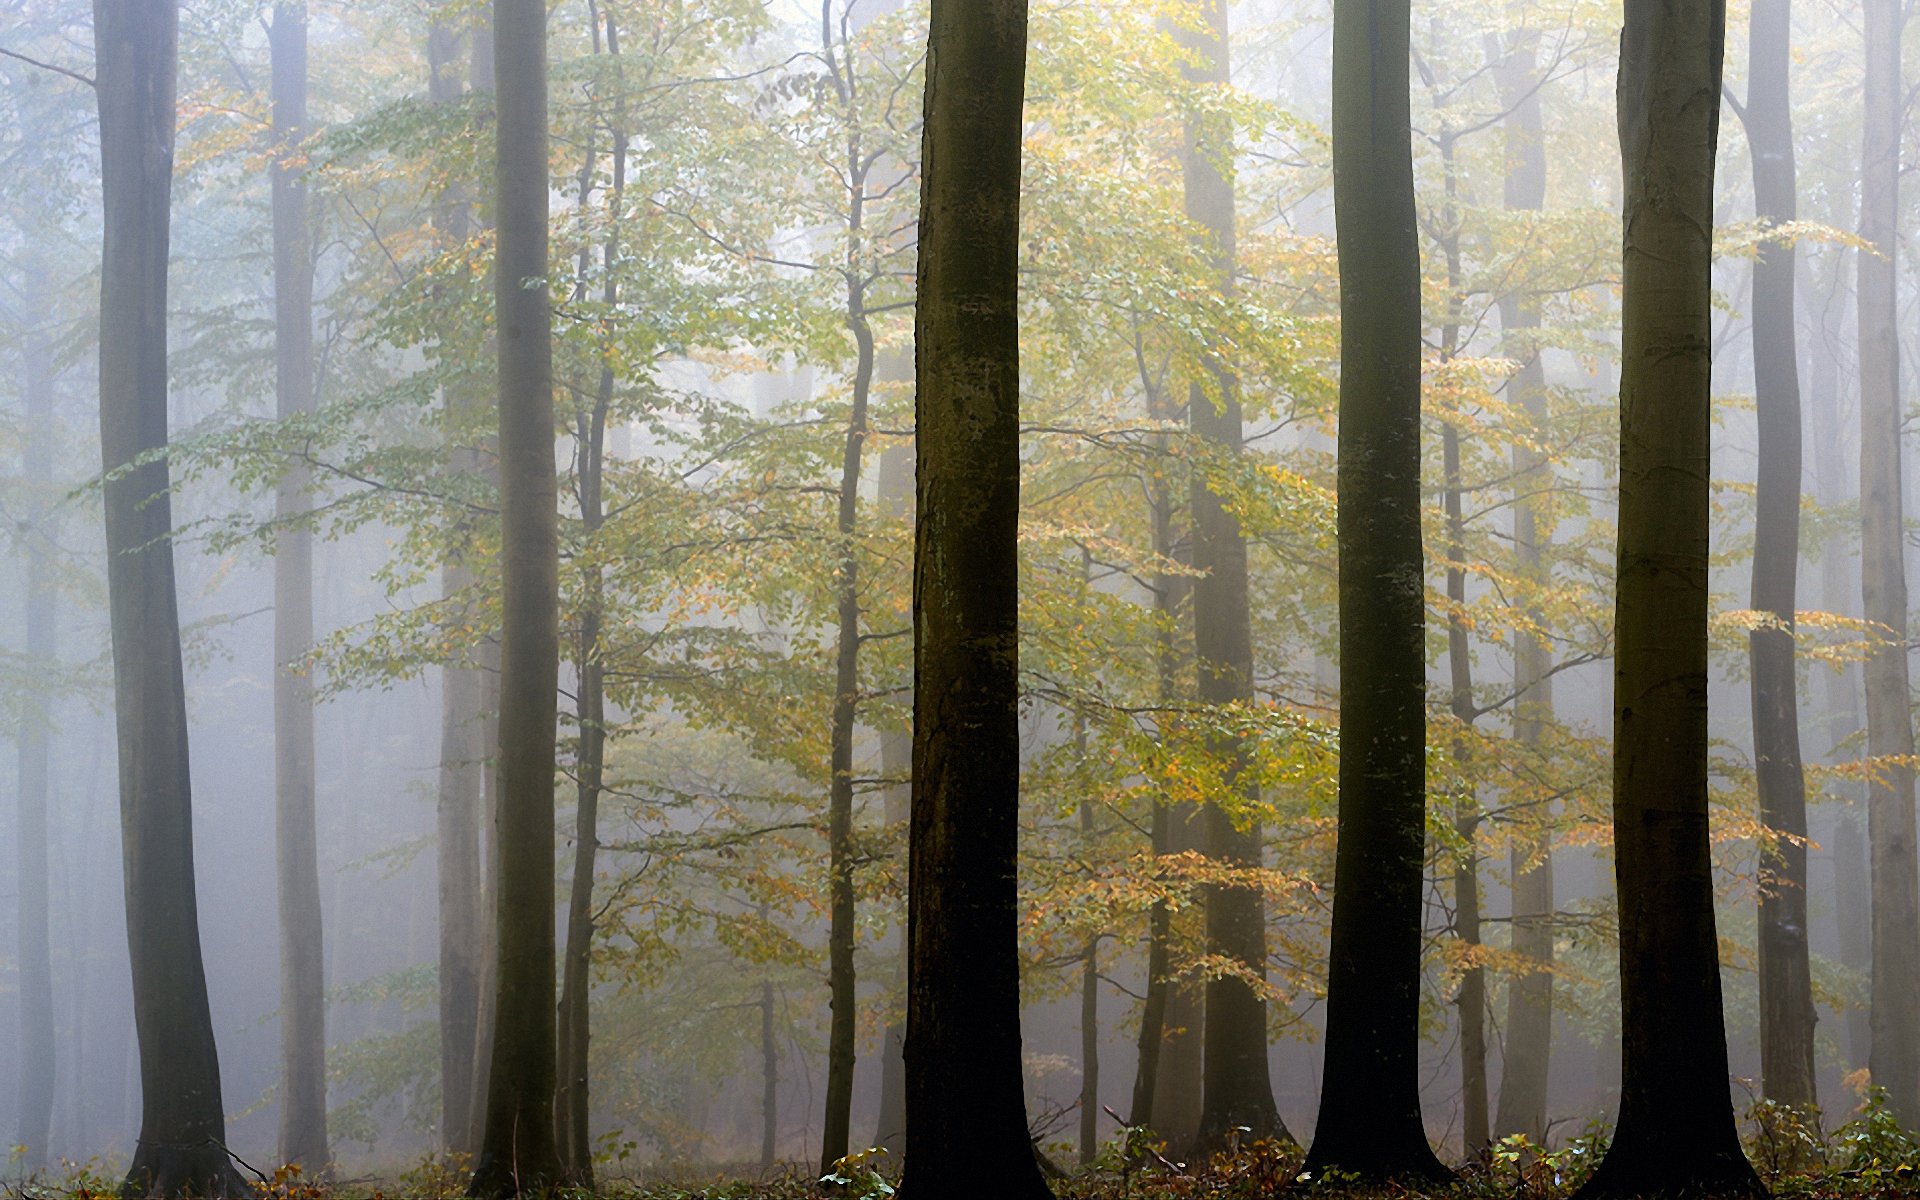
(1869, 1156)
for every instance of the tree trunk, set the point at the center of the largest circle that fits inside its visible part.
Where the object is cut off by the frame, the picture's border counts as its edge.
(1166, 1082)
(1786, 985)
(572, 1102)
(1527, 1051)
(1895, 1017)
(457, 808)
(37, 1067)
(303, 1009)
(963, 987)
(1369, 1120)
(182, 1120)
(1236, 1090)
(1089, 992)
(769, 1082)
(517, 1150)
(1675, 1134)
(837, 1126)
(896, 764)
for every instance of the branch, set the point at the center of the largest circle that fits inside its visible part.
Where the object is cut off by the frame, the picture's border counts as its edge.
(44, 66)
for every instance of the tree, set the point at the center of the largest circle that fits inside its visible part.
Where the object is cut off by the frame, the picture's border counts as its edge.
(963, 986)
(303, 1012)
(182, 1122)
(35, 733)
(457, 807)
(1526, 1054)
(1369, 1120)
(1235, 1087)
(1895, 1015)
(1675, 1134)
(1786, 984)
(517, 1150)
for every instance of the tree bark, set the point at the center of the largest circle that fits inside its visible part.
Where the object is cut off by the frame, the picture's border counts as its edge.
(1369, 1121)
(837, 1126)
(182, 1120)
(963, 987)
(896, 764)
(303, 1010)
(517, 1150)
(34, 739)
(1895, 1016)
(1525, 1057)
(769, 1081)
(457, 808)
(1675, 1134)
(1236, 1090)
(1786, 983)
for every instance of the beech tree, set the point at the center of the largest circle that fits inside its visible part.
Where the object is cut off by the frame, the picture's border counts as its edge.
(181, 1149)
(303, 1012)
(1369, 1122)
(963, 983)
(518, 1154)
(1675, 1134)
(1785, 975)
(1895, 1011)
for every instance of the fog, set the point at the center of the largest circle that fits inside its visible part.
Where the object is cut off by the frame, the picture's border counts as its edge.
(708, 309)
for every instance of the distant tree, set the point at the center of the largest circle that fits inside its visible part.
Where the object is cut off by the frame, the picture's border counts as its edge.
(1675, 1134)
(181, 1147)
(303, 1012)
(1526, 1052)
(965, 1100)
(517, 1151)
(457, 841)
(1369, 1120)
(1236, 1091)
(1785, 976)
(1895, 1016)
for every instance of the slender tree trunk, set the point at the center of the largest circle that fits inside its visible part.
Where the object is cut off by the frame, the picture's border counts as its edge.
(769, 1082)
(572, 1103)
(37, 1066)
(1786, 985)
(182, 1121)
(303, 1010)
(896, 762)
(480, 81)
(1895, 1018)
(837, 1126)
(517, 1150)
(1166, 1084)
(1236, 1091)
(1526, 1054)
(963, 987)
(1369, 1120)
(1675, 1134)
(457, 808)
(1089, 993)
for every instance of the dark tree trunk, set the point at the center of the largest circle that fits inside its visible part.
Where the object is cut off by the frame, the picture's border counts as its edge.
(572, 1107)
(837, 1126)
(182, 1121)
(1166, 1082)
(769, 1081)
(303, 1009)
(517, 1150)
(963, 987)
(1895, 1017)
(457, 808)
(1786, 985)
(1369, 1120)
(1236, 1091)
(1527, 1051)
(1675, 1134)
(36, 1082)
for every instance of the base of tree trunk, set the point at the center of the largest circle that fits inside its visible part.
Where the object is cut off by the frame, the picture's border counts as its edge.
(501, 1178)
(1242, 1129)
(1657, 1177)
(162, 1171)
(1375, 1165)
